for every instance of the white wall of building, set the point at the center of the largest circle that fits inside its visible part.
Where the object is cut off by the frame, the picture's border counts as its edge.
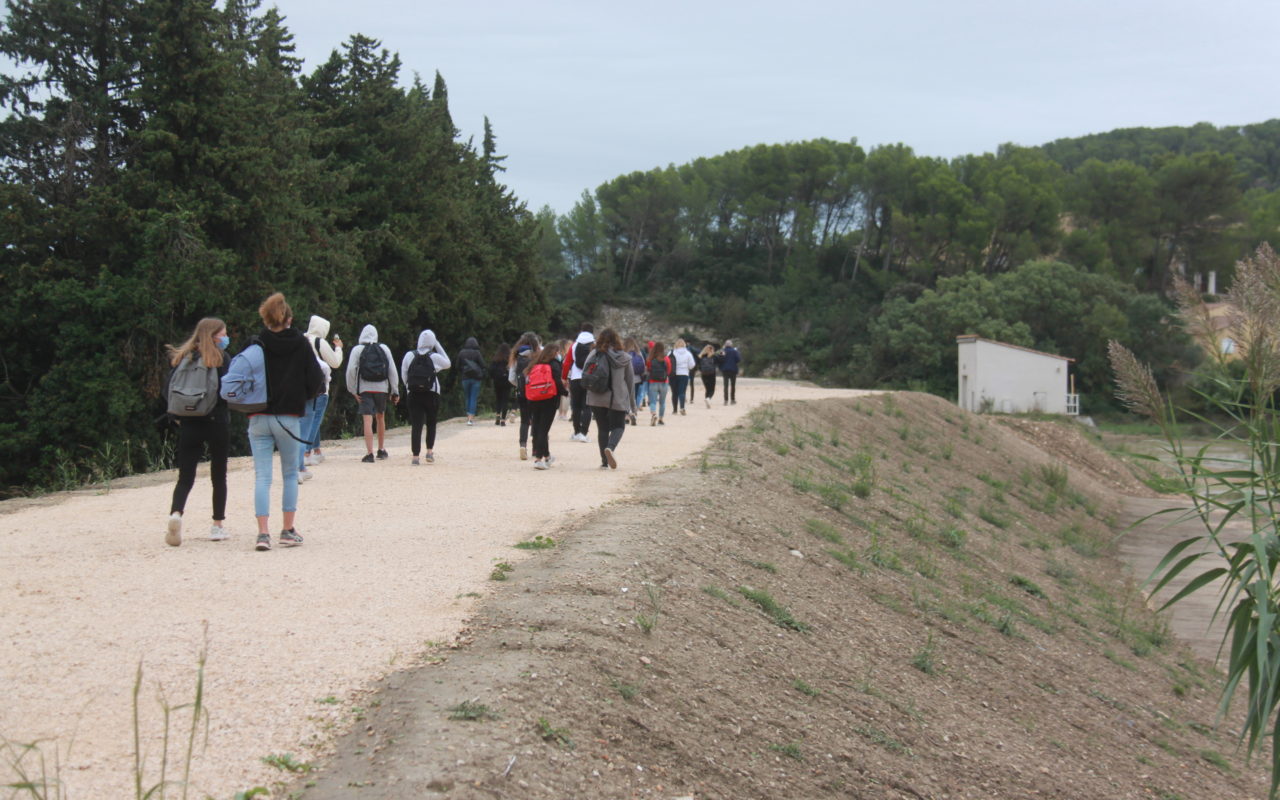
(1014, 380)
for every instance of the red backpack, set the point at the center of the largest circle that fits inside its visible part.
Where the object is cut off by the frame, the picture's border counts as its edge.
(541, 384)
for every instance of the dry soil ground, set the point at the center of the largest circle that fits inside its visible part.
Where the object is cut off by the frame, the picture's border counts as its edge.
(396, 558)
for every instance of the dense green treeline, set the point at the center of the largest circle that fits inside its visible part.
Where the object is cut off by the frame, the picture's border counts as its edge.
(861, 267)
(164, 160)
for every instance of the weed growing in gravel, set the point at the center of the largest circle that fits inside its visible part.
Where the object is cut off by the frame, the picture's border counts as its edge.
(879, 737)
(790, 750)
(763, 565)
(716, 591)
(1061, 571)
(500, 571)
(1215, 758)
(536, 543)
(953, 537)
(1054, 476)
(287, 763)
(780, 615)
(804, 688)
(1027, 586)
(823, 530)
(649, 620)
(557, 736)
(627, 690)
(924, 660)
(989, 516)
(833, 495)
(329, 701)
(849, 559)
(882, 555)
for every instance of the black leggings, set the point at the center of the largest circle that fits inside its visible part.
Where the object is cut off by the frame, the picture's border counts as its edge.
(610, 425)
(543, 413)
(526, 417)
(502, 395)
(730, 387)
(709, 385)
(193, 434)
(578, 408)
(424, 407)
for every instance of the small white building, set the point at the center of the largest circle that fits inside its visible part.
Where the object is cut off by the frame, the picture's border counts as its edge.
(995, 376)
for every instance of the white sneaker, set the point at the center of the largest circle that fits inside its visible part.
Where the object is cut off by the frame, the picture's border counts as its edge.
(308, 461)
(551, 460)
(317, 458)
(218, 534)
(173, 530)
(539, 464)
(304, 475)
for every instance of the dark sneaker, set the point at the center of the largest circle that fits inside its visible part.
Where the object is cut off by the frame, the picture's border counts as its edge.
(367, 459)
(290, 538)
(431, 458)
(382, 454)
(264, 542)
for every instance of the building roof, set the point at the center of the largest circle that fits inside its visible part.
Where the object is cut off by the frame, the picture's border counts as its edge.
(973, 337)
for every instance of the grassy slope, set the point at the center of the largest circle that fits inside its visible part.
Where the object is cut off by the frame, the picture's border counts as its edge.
(952, 627)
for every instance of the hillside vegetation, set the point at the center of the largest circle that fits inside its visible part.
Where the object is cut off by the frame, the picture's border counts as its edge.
(886, 597)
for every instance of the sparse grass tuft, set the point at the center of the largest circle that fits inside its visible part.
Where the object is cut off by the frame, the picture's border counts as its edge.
(823, 530)
(780, 615)
(500, 571)
(1027, 586)
(557, 736)
(790, 750)
(287, 763)
(471, 710)
(924, 660)
(536, 543)
(804, 688)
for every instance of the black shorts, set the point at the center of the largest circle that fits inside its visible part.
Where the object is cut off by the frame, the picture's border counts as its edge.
(373, 403)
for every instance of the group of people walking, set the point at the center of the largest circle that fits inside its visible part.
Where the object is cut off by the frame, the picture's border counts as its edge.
(281, 380)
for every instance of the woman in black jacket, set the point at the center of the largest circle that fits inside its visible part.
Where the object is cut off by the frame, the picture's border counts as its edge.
(293, 378)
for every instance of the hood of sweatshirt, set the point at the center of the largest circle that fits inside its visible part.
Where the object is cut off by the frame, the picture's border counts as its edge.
(619, 358)
(426, 341)
(586, 337)
(282, 343)
(368, 334)
(318, 327)
(472, 343)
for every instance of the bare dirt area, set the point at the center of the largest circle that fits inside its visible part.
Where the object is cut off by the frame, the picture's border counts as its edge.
(876, 597)
(397, 558)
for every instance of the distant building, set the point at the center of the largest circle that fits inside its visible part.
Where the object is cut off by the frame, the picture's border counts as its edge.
(995, 376)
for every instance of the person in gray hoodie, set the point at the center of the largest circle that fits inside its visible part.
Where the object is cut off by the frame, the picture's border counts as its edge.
(471, 365)
(371, 390)
(424, 403)
(613, 408)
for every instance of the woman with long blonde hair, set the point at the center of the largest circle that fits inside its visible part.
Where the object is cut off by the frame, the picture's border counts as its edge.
(205, 346)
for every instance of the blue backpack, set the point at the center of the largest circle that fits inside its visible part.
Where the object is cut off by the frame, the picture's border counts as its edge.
(637, 365)
(244, 387)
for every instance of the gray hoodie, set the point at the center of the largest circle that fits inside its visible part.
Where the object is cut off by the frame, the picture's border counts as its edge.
(622, 380)
(427, 344)
(391, 385)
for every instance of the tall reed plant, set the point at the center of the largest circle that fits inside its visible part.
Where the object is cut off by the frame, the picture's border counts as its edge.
(1240, 390)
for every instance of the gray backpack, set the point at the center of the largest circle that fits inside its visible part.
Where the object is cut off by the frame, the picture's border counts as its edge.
(193, 388)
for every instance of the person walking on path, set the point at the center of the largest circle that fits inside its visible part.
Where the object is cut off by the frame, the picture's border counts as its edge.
(612, 408)
(204, 347)
(421, 370)
(641, 388)
(527, 346)
(501, 386)
(730, 360)
(578, 395)
(707, 371)
(293, 377)
(330, 358)
(682, 364)
(472, 368)
(543, 389)
(371, 377)
(659, 368)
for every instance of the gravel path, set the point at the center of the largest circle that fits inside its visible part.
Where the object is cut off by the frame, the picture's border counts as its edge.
(396, 556)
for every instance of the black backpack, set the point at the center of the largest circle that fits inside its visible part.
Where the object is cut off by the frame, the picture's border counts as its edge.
(373, 363)
(706, 365)
(421, 374)
(580, 352)
(658, 370)
(596, 373)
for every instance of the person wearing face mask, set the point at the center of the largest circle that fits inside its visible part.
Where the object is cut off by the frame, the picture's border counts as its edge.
(206, 345)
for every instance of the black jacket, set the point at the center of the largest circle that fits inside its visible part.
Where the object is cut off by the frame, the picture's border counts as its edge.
(293, 374)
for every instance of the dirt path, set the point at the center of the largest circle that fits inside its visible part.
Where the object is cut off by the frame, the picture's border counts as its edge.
(1145, 545)
(395, 558)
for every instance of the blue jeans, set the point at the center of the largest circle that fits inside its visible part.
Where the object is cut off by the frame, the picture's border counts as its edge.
(658, 399)
(310, 426)
(268, 432)
(641, 388)
(471, 391)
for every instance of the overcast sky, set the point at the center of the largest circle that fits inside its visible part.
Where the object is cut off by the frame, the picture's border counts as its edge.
(581, 92)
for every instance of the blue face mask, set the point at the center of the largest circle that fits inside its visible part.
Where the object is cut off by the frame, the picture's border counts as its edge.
(223, 341)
